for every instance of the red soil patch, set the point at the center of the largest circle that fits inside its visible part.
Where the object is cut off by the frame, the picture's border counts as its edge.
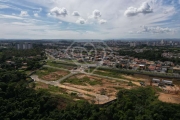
(55, 75)
(169, 98)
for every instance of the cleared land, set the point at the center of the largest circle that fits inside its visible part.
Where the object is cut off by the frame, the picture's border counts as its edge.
(62, 65)
(170, 94)
(169, 98)
(116, 74)
(82, 79)
(50, 74)
(96, 85)
(99, 90)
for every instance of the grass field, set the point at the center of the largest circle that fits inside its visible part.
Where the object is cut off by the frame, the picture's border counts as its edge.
(82, 81)
(115, 74)
(62, 65)
(51, 74)
(109, 73)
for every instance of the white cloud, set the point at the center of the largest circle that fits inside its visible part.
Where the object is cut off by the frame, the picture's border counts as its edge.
(95, 17)
(81, 21)
(75, 13)
(170, 10)
(58, 12)
(21, 23)
(10, 17)
(116, 26)
(95, 14)
(144, 9)
(40, 9)
(102, 21)
(131, 11)
(24, 14)
(36, 15)
(4, 6)
(157, 30)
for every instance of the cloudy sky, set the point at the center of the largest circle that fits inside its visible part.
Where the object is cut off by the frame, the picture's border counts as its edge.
(89, 19)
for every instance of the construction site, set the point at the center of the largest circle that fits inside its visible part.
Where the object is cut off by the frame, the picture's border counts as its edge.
(102, 86)
(168, 89)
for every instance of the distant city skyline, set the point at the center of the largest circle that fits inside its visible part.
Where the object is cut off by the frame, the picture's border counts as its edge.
(90, 19)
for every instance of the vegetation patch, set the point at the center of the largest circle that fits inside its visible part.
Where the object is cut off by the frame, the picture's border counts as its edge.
(55, 91)
(51, 74)
(62, 65)
(82, 81)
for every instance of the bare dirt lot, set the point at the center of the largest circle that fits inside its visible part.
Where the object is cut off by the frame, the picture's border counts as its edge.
(133, 78)
(170, 94)
(52, 76)
(170, 98)
(40, 85)
(97, 86)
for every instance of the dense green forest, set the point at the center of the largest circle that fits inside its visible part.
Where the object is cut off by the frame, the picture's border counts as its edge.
(31, 57)
(20, 101)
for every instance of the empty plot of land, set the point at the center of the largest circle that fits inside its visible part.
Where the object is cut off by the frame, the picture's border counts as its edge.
(169, 98)
(97, 85)
(133, 78)
(118, 74)
(84, 80)
(62, 65)
(50, 74)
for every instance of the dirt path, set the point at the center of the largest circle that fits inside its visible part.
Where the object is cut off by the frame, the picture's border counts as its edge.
(101, 99)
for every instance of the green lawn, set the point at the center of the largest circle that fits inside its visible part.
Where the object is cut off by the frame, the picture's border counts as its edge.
(83, 81)
(45, 71)
(109, 73)
(61, 65)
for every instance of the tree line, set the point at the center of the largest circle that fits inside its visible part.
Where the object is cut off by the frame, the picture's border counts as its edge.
(19, 101)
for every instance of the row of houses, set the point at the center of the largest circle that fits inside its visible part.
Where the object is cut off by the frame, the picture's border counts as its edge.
(114, 60)
(170, 55)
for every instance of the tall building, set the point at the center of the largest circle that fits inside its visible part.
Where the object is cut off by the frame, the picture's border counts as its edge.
(162, 42)
(29, 46)
(132, 44)
(19, 46)
(24, 46)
